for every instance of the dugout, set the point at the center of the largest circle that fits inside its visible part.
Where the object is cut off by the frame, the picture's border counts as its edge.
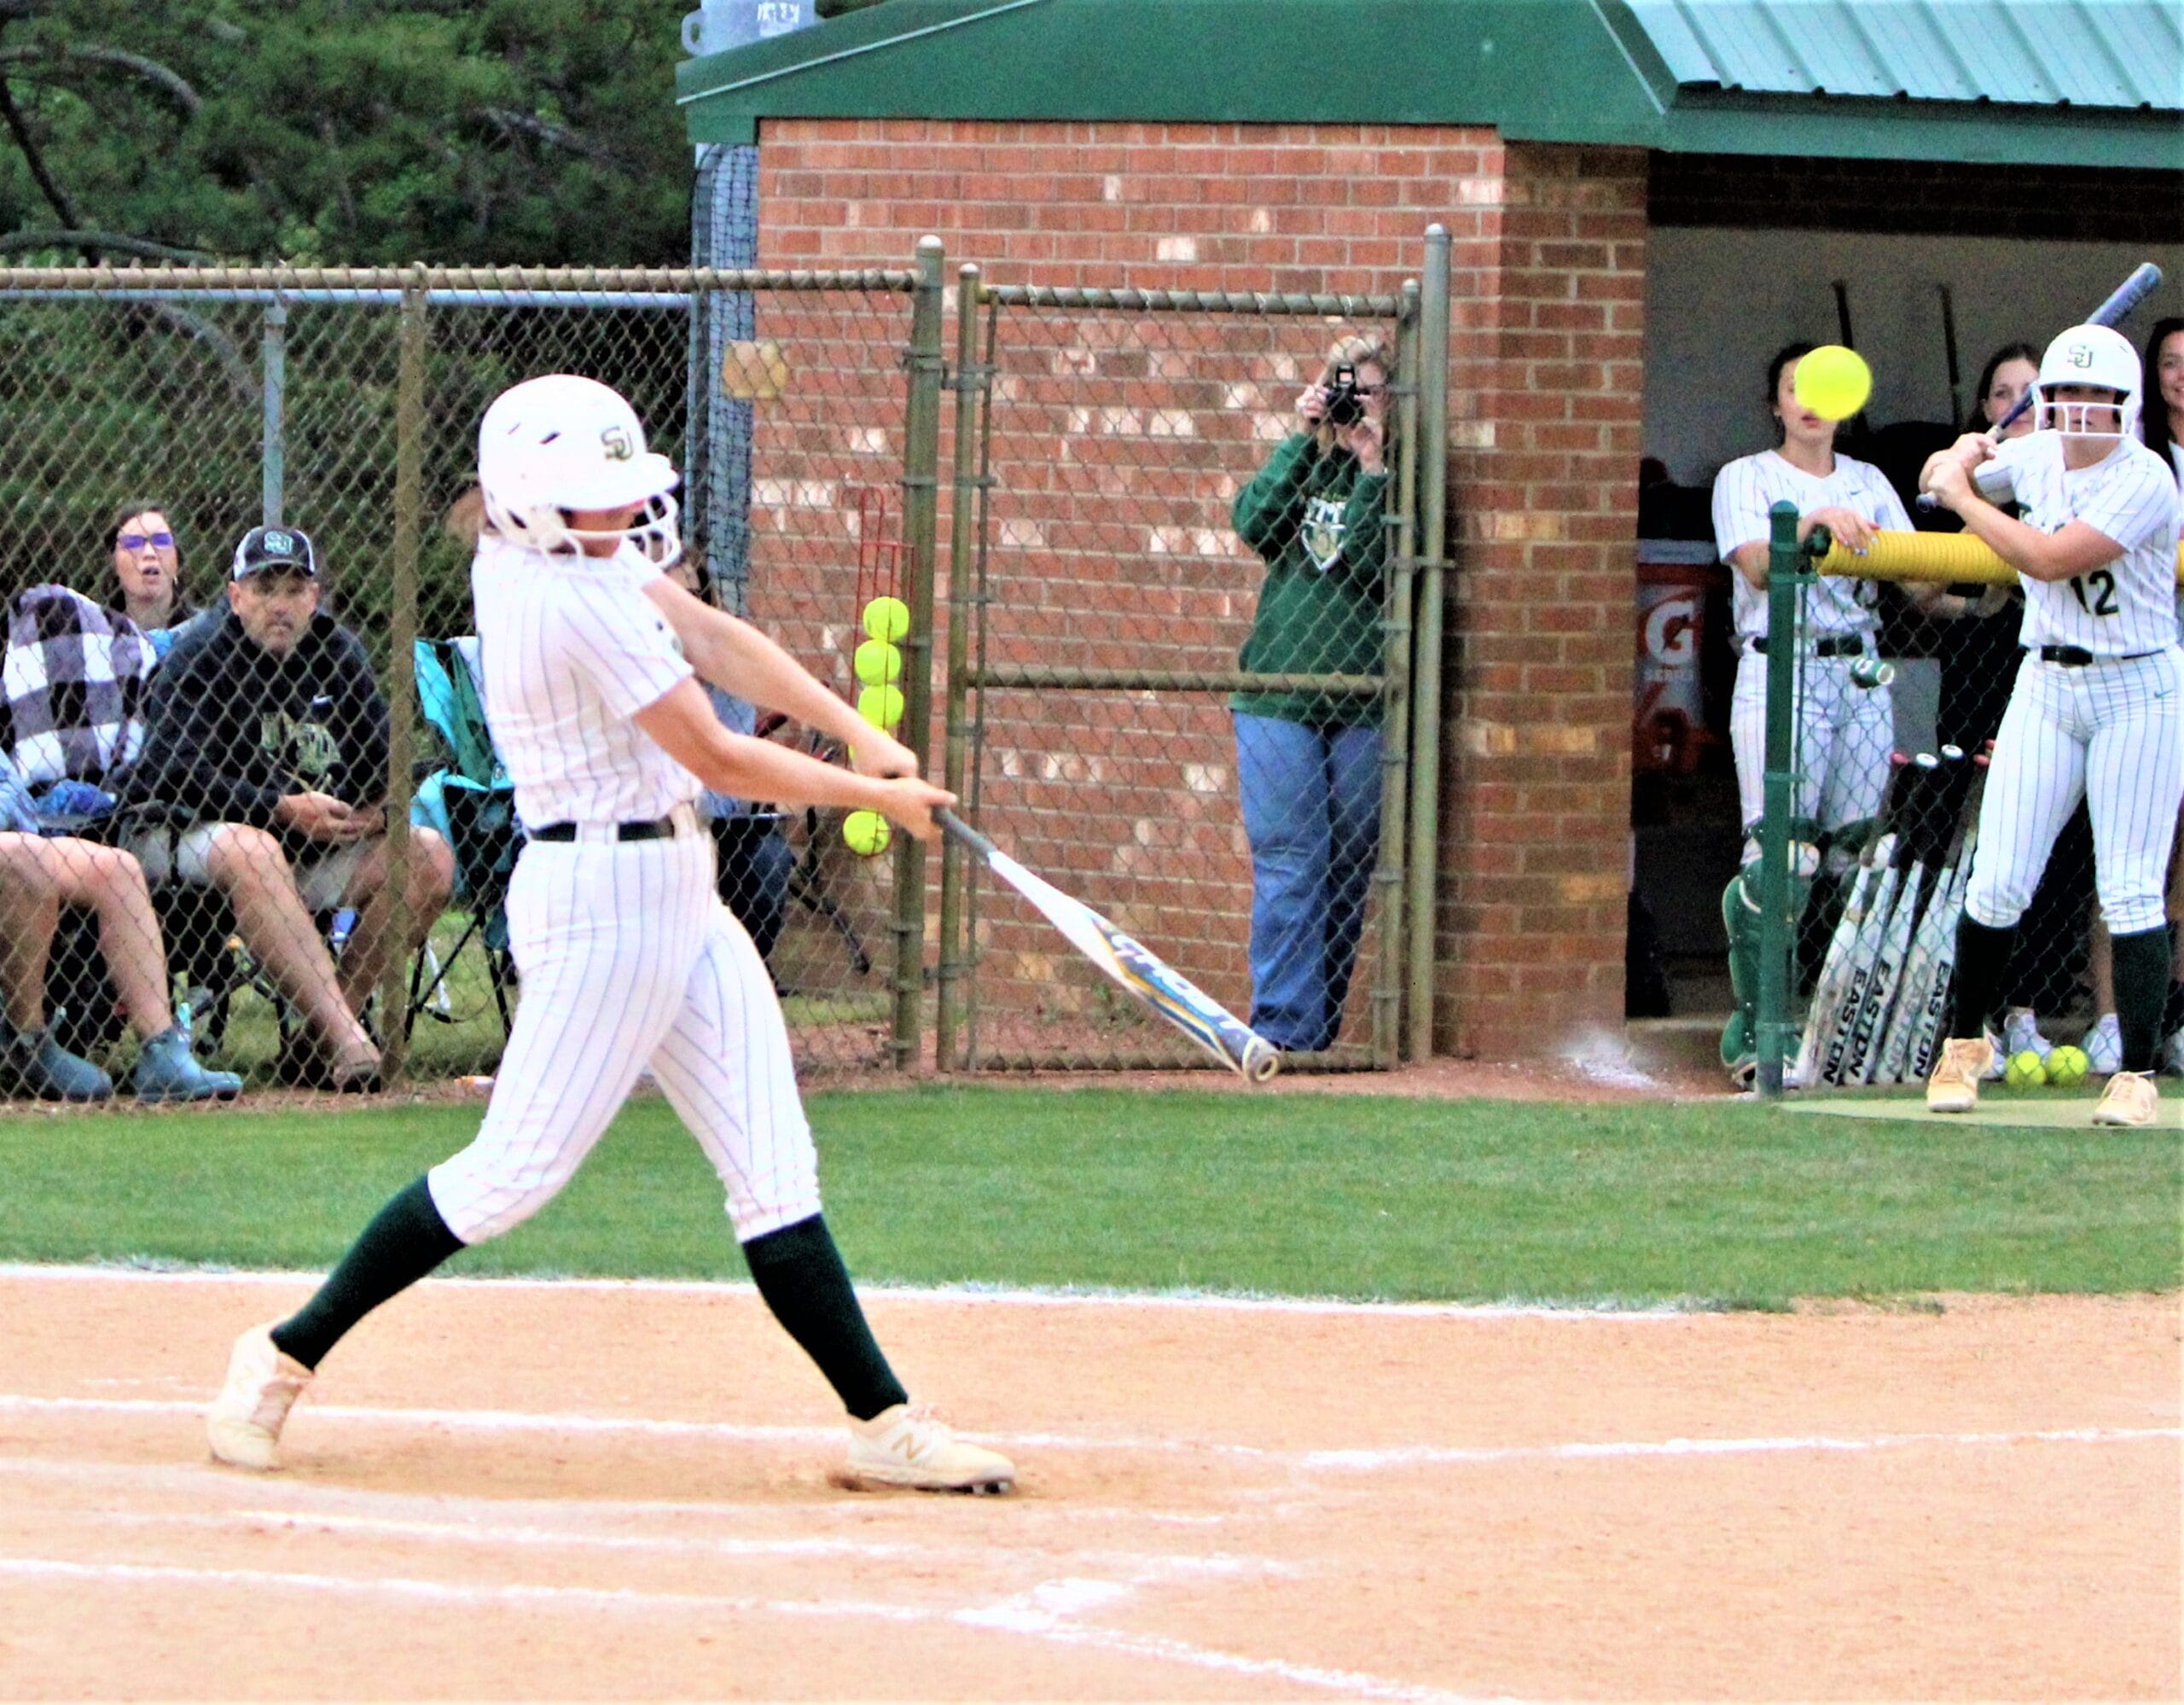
(1644, 198)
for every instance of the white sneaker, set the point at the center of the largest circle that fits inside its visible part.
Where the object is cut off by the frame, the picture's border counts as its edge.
(2172, 1055)
(245, 1422)
(2021, 1031)
(1997, 1067)
(1954, 1085)
(908, 1445)
(2130, 1099)
(2104, 1047)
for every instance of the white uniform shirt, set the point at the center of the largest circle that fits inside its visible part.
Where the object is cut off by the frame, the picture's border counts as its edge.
(1748, 487)
(2122, 607)
(571, 649)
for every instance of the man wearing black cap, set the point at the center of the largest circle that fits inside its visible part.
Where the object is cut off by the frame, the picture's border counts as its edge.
(265, 775)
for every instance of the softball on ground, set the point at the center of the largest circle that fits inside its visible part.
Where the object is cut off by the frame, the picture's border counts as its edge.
(2027, 1070)
(867, 833)
(881, 706)
(2068, 1067)
(887, 618)
(1832, 381)
(877, 663)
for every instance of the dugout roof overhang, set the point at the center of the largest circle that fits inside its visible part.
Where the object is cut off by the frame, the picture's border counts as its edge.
(2023, 82)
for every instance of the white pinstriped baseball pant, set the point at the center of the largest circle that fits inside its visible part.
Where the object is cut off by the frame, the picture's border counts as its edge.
(2112, 733)
(628, 957)
(1844, 734)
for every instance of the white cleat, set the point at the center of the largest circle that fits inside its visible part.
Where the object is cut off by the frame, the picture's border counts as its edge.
(908, 1445)
(244, 1426)
(2130, 1099)
(1954, 1085)
(2172, 1055)
(2021, 1033)
(2104, 1047)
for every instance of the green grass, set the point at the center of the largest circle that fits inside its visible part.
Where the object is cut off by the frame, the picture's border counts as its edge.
(1729, 1204)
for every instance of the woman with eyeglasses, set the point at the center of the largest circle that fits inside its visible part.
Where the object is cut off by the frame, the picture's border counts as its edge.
(1307, 765)
(147, 571)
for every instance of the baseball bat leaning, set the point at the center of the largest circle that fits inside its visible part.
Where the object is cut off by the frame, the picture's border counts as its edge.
(1919, 845)
(1128, 963)
(1927, 1039)
(1943, 890)
(2145, 280)
(1831, 986)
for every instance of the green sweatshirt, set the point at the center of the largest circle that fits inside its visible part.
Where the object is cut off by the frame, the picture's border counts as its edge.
(1316, 519)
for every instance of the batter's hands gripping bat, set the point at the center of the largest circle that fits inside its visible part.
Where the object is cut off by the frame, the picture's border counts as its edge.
(2144, 281)
(1129, 963)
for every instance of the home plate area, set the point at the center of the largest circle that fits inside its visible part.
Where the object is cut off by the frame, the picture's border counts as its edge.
(573, 1490)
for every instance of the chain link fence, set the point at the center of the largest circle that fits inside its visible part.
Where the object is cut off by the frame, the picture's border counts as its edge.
(1149, 558)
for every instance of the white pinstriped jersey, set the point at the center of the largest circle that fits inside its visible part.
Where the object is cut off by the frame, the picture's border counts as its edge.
(1746, 489)
(571, 649)
(2124, 607)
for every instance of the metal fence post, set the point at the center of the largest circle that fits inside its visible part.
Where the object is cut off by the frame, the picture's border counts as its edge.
(963, 522)
(402, 665)
(1772, 1026)
(921, 529)
(1425, 863)
(273, 456)
(1397, 622)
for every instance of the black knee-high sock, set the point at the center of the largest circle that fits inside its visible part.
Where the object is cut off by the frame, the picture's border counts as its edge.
(406, 1240)
(2141, 986)
(1982, 961)
(799, 1273)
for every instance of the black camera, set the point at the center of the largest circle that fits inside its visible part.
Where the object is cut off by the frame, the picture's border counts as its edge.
(1345, 406)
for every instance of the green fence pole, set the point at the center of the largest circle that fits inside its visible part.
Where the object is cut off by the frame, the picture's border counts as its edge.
(1773, 1026)
(921, 529)
(402, 667)
(962, 529)
(1424, 861)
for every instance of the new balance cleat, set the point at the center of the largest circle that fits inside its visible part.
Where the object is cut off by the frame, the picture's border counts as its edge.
(2130, 1099)
(244, 1426)
(908, 1445)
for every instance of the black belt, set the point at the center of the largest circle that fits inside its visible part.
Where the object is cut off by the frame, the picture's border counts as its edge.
(2077, 657)
(655, 829)
(1841, 645)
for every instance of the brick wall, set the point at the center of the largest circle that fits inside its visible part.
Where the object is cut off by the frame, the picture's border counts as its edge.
(1094, 557)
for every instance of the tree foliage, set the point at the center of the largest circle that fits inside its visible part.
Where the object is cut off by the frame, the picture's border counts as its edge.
(345, 131)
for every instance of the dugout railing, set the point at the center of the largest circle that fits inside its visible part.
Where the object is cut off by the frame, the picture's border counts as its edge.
(1854, 916)
(1047, 481)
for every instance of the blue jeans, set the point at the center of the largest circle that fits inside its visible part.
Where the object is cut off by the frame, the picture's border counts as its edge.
(1311, 800)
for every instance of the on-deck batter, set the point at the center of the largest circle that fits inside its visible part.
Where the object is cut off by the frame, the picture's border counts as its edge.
(627, 957)
(1845, 730)
(2097, 710)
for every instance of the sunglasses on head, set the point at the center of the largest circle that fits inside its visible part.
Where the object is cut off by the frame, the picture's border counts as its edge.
(137, 541)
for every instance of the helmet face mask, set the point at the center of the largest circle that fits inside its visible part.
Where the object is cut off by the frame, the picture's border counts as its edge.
(2097, 358)
(555, 447)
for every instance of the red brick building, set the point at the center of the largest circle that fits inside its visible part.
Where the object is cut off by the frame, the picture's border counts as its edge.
(1304, 145)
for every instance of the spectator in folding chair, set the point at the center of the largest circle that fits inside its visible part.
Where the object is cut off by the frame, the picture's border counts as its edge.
(147, 579)
(264, 776)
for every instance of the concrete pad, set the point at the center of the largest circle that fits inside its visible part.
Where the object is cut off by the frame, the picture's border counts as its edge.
(2053, 1112)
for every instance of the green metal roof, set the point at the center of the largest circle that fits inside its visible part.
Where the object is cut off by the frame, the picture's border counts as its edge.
(1851, 78)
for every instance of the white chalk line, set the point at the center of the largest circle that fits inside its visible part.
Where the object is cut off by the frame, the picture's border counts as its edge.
(1353, 1460)
(1031, 1613)
(997, 1296)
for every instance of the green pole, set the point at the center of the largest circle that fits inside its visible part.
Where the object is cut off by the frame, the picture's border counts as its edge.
(963, 528)
(921, 530)
(1773, 1031)
(1424, 861)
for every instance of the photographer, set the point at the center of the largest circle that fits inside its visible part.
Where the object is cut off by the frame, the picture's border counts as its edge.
(1307, 765)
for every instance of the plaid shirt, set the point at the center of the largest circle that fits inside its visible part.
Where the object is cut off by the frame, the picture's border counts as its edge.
(72, 697)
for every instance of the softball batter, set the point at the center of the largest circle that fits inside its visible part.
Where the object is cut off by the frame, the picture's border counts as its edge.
(1845, 730)
(2097, 710)
(628, 958)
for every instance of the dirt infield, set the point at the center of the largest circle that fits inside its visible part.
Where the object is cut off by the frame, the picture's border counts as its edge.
(592, 1491)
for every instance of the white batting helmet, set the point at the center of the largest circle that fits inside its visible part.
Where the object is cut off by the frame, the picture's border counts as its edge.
(559, 444)
(2087, 355)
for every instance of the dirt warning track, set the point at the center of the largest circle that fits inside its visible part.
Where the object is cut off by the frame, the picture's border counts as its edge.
(595, 1490)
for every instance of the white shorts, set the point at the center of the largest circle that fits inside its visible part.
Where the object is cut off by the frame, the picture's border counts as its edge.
(325, 877)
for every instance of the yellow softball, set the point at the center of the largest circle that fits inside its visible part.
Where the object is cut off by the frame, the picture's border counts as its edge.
(886, 618)
(880, 705)
(2027, 1070)
(877, 663)
(1832, 381)
(866, 833)
(2068, 1066)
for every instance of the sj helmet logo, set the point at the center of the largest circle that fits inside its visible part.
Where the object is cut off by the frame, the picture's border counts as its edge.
(2079, 355)
(279, 543)
(619, 446)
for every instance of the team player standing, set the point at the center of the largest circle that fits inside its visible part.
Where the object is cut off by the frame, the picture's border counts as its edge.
(2098, 709)
(628, 958)
(1846, 721)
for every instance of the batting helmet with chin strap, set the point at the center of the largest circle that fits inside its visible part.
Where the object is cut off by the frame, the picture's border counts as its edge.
(559, 445)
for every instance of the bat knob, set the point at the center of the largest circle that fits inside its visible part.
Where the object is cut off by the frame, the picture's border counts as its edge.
(1261, 1060)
